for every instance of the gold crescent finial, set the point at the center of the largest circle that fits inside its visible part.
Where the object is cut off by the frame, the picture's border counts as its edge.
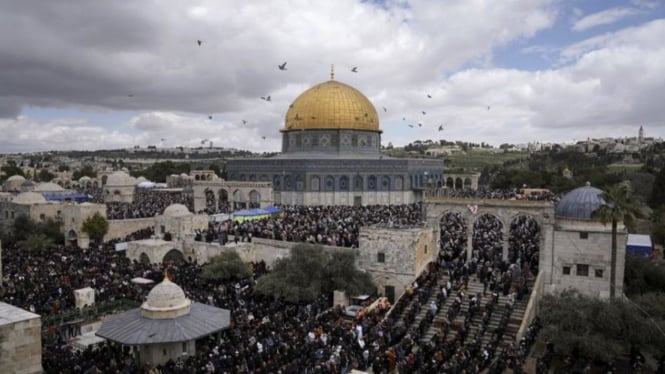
(332, 71)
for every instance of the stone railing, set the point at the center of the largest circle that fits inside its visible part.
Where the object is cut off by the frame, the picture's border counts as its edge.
(531, 310)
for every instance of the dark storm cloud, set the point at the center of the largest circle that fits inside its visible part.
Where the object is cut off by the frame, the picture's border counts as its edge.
(117, 54)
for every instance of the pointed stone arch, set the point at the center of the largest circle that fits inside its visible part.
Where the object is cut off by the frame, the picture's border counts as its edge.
(524, 241)
(144, 258)
(173, 256)
(488, 237)
(453, 236)
(239, 199)
(254, 199)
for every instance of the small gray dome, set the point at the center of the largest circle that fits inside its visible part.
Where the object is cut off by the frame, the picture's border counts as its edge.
(580, 203)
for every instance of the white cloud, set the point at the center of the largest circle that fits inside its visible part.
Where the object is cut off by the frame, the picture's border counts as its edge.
(605, 17)
(605, 84)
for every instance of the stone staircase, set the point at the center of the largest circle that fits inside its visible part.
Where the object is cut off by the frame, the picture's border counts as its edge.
(475, 287)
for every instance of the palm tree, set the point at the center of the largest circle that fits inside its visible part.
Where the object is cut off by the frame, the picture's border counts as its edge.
(620, 206)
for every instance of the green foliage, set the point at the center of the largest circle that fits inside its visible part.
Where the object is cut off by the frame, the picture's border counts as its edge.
(658, 224)
(45, 176)
(310, 271)
(24, 227)
(643, 275)
(620, 206)
(35, 242)
(9, 170)
(599, 329)
(86, 170)
(96, 227)
(158, 171)
(226, 266)
(657, 197)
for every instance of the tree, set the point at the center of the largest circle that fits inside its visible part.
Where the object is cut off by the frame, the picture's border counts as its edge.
(45, 176)
(620, 206)
(35, 242)
(340, 273)
(96, 227)
(596, 328)
(311, 271)
(86, 170)
(227, 265)
(658, 191)
(9, 170)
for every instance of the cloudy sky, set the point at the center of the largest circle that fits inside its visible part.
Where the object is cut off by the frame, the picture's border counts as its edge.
(78, 74)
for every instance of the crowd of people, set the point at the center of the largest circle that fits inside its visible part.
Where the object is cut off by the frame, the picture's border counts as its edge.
(147, 203)
(327, 225)
(272, 336)
(266, 335)
(486, 193)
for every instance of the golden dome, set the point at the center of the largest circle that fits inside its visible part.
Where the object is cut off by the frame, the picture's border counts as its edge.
(332, 105)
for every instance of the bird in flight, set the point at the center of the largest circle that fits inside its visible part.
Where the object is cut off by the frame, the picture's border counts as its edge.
(403, 118)
(130, 95)
(199, 42)
(488, 107)
(420, 125)
(410, 125)
(441, 128)
(429, 96)
(384, 109)
(163, 139)
(424, 112)
(282, 66)
(209, 117)
(244, 122)
(204, 141)
(266, 98)
(263, 137)
(354, 69)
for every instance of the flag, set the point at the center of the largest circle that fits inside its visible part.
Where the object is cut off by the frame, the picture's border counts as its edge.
(472, 208)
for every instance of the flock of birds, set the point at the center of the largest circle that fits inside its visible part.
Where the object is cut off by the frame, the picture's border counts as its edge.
(282, 67)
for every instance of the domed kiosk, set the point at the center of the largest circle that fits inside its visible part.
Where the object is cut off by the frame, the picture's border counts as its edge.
(166, 326)
(331, 142)
(582, 246)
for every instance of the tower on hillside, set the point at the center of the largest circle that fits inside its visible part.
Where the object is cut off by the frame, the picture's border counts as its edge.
(640, 136)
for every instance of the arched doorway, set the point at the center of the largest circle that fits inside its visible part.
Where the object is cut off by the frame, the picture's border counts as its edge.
(239, 200)
(72, 238)
(173, 256)
(524, 243)
(488, 238)
(210, 201)
(254, 199)
(144, 259)
(223, 201)
(453, 237)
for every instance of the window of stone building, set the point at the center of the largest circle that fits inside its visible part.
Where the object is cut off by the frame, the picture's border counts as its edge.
(584, 235)
(599, 273)
(582, 270)
(162, 229)
(425, 249)
(6, 214)
(42, 217)
(380, 257)
(12, 214)
(566, 270)
(184, 347)
(58, 213)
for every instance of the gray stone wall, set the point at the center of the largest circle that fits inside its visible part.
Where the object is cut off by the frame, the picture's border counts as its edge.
(20, 341)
